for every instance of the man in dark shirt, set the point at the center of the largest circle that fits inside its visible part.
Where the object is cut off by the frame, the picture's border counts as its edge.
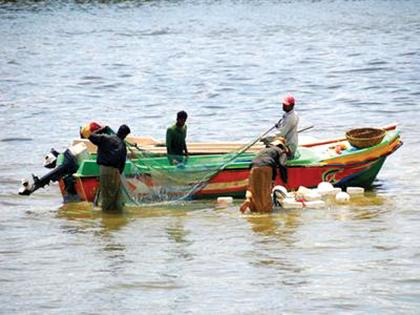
(111, 157)
(176, 146)
(263, 173)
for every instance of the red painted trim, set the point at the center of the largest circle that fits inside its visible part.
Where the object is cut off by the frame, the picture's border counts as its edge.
(308, 176)
(298, 176)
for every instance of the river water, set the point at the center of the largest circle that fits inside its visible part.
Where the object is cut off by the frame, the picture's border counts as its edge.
(227, 63)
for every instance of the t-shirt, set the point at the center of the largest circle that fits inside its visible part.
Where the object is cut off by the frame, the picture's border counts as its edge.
(175, 140)
(289, 130)
(272, 156)
(111, 150)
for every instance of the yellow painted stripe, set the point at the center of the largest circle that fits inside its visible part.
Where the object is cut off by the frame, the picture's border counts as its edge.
(364, 156)
(225, 185)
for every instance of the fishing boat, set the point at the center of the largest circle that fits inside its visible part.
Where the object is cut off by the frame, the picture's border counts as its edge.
(336, 161)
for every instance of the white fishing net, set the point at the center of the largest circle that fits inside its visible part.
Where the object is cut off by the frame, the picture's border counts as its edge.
(154, 179)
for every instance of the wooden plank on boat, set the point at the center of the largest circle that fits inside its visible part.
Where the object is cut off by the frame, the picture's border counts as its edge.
(193, 148)
(154, 146)
(144, 140)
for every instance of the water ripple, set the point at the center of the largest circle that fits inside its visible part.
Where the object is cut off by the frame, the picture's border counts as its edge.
(228, 64)
(15, 139)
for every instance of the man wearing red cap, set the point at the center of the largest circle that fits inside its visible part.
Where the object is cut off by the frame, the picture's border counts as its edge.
(265, 165)
(288, 126)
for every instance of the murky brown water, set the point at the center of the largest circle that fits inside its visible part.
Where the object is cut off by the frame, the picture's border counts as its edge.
(226, 63)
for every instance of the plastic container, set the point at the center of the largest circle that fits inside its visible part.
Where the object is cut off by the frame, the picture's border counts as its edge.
(325, 188)
(224, 201)
(290, 203)
(312, 195)
(355, 191)
(302, 190)
(342, 197)
(333, 192)
(315, 204)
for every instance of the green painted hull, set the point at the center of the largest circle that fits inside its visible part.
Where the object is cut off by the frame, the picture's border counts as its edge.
(352, 167)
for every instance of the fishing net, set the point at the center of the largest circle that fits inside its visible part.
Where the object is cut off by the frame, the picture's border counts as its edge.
(155, 179)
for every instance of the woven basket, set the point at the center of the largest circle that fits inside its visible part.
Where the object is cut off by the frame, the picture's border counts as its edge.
(365, 137)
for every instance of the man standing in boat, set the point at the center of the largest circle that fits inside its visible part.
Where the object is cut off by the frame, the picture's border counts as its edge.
(288, 125)
(111, 157)
(264, 169)
(176, 145)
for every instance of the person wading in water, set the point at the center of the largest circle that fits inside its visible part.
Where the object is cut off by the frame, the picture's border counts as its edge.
(261, 179)
(111, 157)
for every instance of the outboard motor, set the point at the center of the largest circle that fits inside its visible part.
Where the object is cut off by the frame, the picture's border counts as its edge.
(71, 158)
(50, 160)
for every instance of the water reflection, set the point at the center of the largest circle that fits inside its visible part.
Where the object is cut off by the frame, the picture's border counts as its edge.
(176, 231)
(275, 237)
(90, 216)
(262, 223)
(367, 207)
(83, 218)
(280, 223)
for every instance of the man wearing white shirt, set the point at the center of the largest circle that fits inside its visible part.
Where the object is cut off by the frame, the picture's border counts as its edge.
(288, 126)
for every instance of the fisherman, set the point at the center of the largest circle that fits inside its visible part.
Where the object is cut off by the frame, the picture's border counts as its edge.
(288, 126)
(263, 173)
(111, 157)
(176, 146)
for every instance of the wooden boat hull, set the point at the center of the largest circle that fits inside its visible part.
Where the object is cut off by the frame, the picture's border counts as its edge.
(351, 168)
(234, 183)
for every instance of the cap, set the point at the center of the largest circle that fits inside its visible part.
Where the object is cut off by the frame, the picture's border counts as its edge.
(289, 100)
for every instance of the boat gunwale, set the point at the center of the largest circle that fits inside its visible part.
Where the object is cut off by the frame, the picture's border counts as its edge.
(320, 163)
